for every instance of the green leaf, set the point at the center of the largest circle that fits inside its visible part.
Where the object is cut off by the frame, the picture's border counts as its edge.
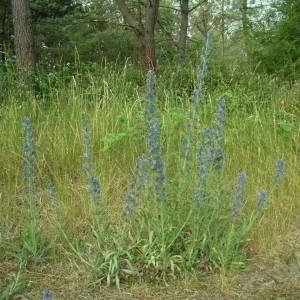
(286, 126)
(128, 271)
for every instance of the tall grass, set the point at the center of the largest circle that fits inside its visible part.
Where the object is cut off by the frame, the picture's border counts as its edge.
(166, 230)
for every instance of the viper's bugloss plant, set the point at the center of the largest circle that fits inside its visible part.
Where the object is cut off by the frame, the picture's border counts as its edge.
(50, 188)
(136, 186)
(262, 198)
(51, 192)
(210, 152)
(28, 161)
(219, 118)
(197, 98)
(201, 72)
(279, 170)
(204, 157)
(29, 175)
(46, 293)
(239, 196)
(30, 235)
(92, 183)
(154, 146)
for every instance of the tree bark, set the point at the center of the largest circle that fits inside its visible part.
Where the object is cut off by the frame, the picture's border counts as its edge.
(144, 32)
(223, 29)
(245, 24)
(23, 38)
(184, 11)
(151, 17)
(2, 30)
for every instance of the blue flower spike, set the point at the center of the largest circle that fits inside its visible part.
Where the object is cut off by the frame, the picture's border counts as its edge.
(279, 170)
(262, 198)
(46, 293)
(28, 161)
(239, 196)
(92, 183)
(153, 140)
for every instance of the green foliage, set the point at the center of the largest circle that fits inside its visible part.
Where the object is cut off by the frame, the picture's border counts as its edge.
(92, 32)
(111, 138)
(116, 44)
(41, 9)
(278, 45)
(14, 284)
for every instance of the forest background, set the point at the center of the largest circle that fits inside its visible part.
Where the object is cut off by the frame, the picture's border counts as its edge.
(260, 36)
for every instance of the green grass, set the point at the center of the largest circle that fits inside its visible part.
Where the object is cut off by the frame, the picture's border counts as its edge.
(262, 124)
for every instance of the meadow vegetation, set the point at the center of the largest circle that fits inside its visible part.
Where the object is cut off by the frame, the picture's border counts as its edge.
(131, 182)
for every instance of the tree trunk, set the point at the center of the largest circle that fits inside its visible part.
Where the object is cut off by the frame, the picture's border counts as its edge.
(223, 29)
(144, 32)
(151, 17)
(2, 31)
(245, 25)
(23, 36)
(184, 11)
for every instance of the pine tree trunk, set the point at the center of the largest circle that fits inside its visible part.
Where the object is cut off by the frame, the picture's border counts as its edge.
(23, 36)
(184, 10)
(2, 30)
(151, 17)
(245, 25)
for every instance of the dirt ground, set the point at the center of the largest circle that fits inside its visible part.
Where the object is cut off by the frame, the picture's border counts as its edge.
(277, 277)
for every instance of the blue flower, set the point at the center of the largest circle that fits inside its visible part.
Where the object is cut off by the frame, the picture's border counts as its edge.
(239, 196)
(201, 71)
(51, 192)
(204, 156)
(153, 140)
(262, 197)
(93, 184)
(194, 112)
(219, 118)
(46, 293)
(28, 160)
(279, 170)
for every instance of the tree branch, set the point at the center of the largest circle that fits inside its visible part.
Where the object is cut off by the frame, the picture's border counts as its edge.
(168, 34)
(128, 17)
(197, 5)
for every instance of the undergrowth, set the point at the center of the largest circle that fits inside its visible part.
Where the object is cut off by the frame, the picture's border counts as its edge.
(190, 205)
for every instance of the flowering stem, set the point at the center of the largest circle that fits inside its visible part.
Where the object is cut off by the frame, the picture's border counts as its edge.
(92, 183)
(197, 97)
(153, 140)
(239, 196)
